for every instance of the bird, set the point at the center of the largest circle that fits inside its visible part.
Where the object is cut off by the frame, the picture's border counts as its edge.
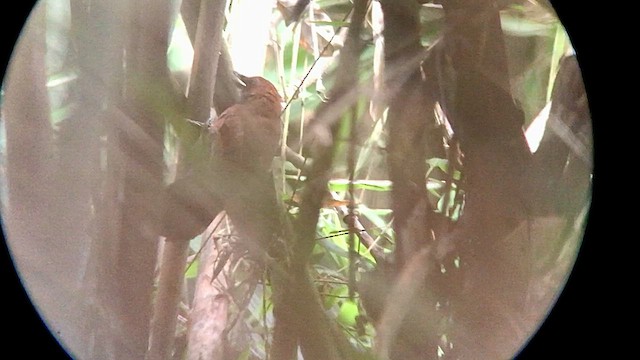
(235, 175)
(247, 134)
(245, 139)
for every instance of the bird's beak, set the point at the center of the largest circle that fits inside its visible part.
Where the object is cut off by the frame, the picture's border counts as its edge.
(241, 80)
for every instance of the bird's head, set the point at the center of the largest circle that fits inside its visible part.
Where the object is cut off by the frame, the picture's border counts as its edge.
(261, 92)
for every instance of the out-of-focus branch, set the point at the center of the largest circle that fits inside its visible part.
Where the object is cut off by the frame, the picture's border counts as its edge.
(377, 23)
(319, 339)
(207, 45)
(225, 92)
(408, 286)
(179, 202)
(136, 151)
(209, 314)
(326, 120)
(363, 235)
(560, 173)
(165, 307)
(489, 127)
(410, 113)
(298, 160)
(409, 120)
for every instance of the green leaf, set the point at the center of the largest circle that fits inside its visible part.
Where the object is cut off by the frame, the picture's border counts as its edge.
(335, 246)
(373, 185)
(440, 163)
(192, 271)
(348, 313)
(379, 217)
(518, 26)
(336, 23)
(63, 113)
(434, 185)
(560, 44)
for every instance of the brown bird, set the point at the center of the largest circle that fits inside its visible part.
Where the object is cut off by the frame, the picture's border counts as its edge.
(236, 175)
(247, 134)
(246, 138)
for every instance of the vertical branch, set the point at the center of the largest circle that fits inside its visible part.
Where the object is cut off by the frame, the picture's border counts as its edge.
(319, 339)
(351, 165)
(31, 218)
(377, 24)
(489, 126)
(182, 205)
(559, 175)
(165, 306)
(47, 176)
(207, 45)
(171, 267)
(287, 112)
(410, 115)
(208, 316)
(412, 138)
(326, 121)
(409, 286)
(98, 35)
(29, 131)
(225, 92)
(137, 135)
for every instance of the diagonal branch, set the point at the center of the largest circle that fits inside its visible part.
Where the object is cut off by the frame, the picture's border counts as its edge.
(411, 120)
(346, 75)
(180, 195)
(489, 127)
(319, 339)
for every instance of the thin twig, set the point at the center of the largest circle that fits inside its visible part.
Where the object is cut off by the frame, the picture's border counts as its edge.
(351, 163)
(217, 220)
(304, 78)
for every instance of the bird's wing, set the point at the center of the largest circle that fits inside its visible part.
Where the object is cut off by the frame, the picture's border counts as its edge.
(229, 131)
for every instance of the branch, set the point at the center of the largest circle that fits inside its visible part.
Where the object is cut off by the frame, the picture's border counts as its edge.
(209, 313)
(136, 140)
(207, 45)
(319, 338)
(406, 295)
(488, 125)
(326, 116)
(363, 235)
(410, 116)
(225, 92)
(560, 174)
(165, 307)
(299, 161)
(187, 209)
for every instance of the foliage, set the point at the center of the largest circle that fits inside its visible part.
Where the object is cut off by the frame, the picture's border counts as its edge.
(301, 60)
(291, 62)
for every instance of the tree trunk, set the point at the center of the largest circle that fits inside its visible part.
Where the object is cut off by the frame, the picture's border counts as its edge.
(209, 312)
(413, 137)
(495, 258)
(46, 206)
(98, 33)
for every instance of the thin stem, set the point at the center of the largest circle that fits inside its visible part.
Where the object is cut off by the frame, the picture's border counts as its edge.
(304, 78)
(216, 221)
(351, 161)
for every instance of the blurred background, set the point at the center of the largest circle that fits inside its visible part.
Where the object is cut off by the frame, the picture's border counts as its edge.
(91, 111)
